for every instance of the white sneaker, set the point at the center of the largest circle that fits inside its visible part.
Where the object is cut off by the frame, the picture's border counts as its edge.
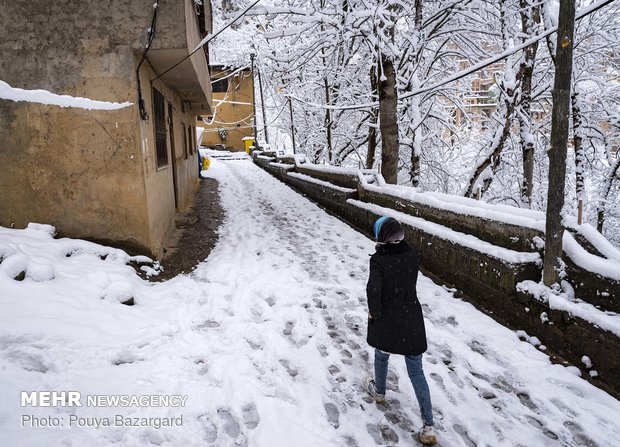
(428, 435)
(371, 388)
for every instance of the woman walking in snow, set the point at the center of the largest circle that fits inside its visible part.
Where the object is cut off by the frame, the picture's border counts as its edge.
(395, 321)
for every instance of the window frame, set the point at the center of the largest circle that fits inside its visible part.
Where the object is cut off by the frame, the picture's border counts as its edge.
(160, 129)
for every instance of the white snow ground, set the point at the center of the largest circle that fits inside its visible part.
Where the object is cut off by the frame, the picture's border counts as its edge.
(267, 338)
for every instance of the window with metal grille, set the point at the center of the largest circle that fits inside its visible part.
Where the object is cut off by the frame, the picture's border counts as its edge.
(159, 122)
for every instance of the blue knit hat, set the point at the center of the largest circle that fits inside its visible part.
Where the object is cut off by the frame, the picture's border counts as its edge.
(388, 230)
(378, 224)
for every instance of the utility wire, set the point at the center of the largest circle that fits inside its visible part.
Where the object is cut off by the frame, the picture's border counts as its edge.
(149, 40)
(207, 39)
(461, 74)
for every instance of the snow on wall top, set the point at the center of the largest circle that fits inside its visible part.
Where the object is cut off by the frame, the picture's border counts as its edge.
(466, 240)
(45, 97)
(327, 168)
(463, 205)
(307, 178)
(606, 320)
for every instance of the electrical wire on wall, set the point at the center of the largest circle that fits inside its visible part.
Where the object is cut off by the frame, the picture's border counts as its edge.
(149, 40)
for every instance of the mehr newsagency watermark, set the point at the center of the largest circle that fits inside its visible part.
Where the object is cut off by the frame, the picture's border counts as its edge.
(75, 399)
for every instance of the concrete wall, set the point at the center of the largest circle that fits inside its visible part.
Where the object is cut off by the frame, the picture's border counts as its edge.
(486, 281)
(237, 118)
(159, 181)
(65, 165)
(92, 174)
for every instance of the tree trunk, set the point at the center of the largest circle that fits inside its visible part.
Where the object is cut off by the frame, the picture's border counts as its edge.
(559, 138)
(372, 129)
(416, 147)
(580, 157)
(388, 102)
(328, 123)
(387, 121)
(530, 19)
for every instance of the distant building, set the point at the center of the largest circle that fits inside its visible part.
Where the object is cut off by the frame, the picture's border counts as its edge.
(232, 116)
(111, 176)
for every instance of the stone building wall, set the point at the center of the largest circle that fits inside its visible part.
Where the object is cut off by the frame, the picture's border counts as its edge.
(92, 174)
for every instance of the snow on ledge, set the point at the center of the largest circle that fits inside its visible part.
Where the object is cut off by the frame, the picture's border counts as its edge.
(606, 320)
(607, 268)
(45, 97)
(327, 168)
(310, 179)
(466, 240)
(466, 206)
(597, 240)
(282, 165)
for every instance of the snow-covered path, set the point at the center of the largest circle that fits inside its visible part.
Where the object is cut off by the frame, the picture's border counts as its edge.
(296, 298)
(267, 338)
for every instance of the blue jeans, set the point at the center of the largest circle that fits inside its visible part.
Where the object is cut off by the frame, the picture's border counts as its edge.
(416, 375)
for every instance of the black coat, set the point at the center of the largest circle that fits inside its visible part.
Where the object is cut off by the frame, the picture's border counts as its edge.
(396, 324)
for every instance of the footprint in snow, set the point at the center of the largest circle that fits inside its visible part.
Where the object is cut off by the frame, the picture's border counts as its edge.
(475, 346)
(392, 381)
(288, 328)
(318, 303)
(451, 320)
(323, 350)
(346, 354)
(525, 400)
(349, 441)
(292, 371)
(257, 314)
(455, 378)
(578, 436)
(439, 380)
(250, 416)
(231, 426)
(333, 415)
(430, 359)
(463, 434)
(255, 345)
(208, 324)
(353, 345)
(336, 337)
(539, 425)
(503, 385)
(209, 428)
(382, 434)
(202, 365)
